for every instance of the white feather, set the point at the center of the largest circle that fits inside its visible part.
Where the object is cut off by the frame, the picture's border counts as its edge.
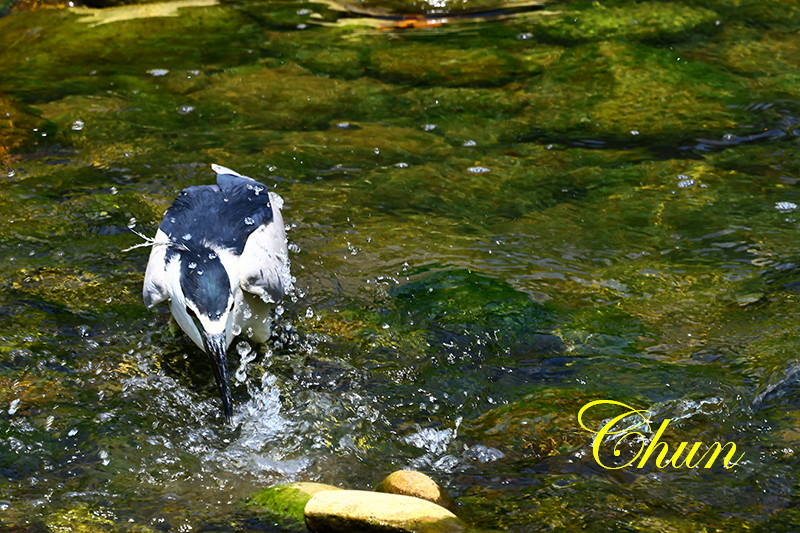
(264, 263)
(155, 289)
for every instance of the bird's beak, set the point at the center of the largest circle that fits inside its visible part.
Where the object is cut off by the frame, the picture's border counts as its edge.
(216, 347)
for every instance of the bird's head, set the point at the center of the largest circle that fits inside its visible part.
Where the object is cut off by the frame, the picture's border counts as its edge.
(202, 304)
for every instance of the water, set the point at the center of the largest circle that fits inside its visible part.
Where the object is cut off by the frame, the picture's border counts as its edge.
(493, 221)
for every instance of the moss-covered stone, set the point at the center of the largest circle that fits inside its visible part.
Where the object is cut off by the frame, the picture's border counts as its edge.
(417, 7)
(616, 92)
(631, 21)
(197, 37)
(79, 520)
(540, 425)
(18, 126)
(286, 501)
(422, 63)
(306, 101)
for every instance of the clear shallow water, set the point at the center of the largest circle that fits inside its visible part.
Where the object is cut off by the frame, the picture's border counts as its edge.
(493, 223)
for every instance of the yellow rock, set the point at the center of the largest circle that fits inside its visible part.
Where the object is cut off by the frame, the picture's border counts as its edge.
(418, 485)
(347, 511)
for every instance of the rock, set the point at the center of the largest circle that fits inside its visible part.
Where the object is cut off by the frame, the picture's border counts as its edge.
(418, 485)
(653, 21)
(624, 92)
(363, 511)
(287, 501)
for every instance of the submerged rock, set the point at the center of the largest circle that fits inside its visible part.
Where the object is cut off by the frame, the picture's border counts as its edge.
(287, 501)
(458, 301)
(622, 92)
(18, 127)
(645, 21)
(418, 485)
(355, 510)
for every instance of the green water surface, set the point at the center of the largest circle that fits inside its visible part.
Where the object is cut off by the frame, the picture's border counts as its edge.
(493, 222)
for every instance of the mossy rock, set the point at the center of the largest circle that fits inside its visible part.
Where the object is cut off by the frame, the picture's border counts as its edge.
(619, 92)
(307, 102)
(286, 501)
(118, 41)
(84, 520)
(460, 297)
(539, 425)
(19, 127)
(652, 21)
(423, 63)
(421, 7)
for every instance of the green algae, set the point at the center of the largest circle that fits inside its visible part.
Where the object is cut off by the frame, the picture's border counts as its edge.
(286, 501)
(635, 21)
(614, 96)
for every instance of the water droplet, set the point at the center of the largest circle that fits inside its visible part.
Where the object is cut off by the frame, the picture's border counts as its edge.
(104, 457)
(199, 272)
(429, 127)
(469, 143)
(187, 237)
(242, 348)
(72, 432)
(185, 109)
(77, 125)
(249, 221)
(132, 223)
(192, 265)
(634, 132)
(11, 173)
(156, 72)
(343, 125)
(12, 409)
(478, 170)
(525, 36)
(401, 165)
(376, 150)
(685, 184)
(236, 329)
(785, 207)
(212, 255)
(309, 313)
(172, 220)
(247, 313)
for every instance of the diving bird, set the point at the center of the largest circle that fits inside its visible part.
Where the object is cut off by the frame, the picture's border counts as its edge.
(220, 258)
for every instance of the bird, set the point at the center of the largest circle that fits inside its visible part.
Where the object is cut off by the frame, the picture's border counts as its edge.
(220, 258)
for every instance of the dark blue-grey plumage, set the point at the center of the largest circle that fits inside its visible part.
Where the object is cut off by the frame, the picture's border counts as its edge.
(205, 279)
(225, 214)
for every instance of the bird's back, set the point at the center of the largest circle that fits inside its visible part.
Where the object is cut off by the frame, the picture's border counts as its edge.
(224, 214)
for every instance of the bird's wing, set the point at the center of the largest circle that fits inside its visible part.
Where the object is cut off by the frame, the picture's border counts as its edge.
(155, 282)
(264, 263)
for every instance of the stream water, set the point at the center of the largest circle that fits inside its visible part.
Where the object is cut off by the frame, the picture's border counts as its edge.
(494, 220)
